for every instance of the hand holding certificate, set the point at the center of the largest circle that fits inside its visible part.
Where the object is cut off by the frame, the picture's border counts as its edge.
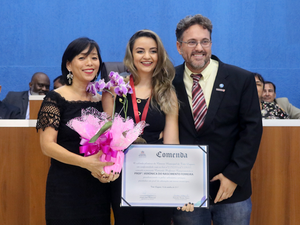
(165, 176)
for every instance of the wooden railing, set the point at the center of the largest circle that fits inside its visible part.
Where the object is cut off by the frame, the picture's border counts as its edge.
(275, 179)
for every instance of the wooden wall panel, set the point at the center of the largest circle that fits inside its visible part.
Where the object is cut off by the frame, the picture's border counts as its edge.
(14, 188)
(294, 177)
(38, 166)
(275, 178)
(35, 106)
(23, 171)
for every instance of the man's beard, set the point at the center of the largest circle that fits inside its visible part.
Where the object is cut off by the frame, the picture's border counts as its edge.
(196, 66)
(37, 93)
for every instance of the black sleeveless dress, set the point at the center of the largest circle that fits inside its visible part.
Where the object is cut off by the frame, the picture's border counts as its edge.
(141, 215)
(72, 192)
(155, 119)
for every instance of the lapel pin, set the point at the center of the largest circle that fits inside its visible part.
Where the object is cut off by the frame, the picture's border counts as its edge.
(221, 88)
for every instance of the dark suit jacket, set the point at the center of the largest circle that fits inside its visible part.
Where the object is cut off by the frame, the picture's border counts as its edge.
(18, 99)
(232, 127)
(9, 111)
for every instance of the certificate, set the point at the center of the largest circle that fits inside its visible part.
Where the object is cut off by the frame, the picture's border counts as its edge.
(165, 176)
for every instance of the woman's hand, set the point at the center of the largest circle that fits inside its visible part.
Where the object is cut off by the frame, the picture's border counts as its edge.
(93, 164)
(187, 207)
(106, 178)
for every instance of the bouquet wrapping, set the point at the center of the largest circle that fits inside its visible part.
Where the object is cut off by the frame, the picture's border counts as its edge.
(111, 135)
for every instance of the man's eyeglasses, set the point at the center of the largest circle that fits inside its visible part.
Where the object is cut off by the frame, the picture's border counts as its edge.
(192, 43)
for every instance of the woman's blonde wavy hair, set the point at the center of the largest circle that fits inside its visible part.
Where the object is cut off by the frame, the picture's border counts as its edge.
(162, 89)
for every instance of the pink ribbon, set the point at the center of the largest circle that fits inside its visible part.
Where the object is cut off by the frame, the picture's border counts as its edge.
(105, 140)
(88, 148)
(103, 143)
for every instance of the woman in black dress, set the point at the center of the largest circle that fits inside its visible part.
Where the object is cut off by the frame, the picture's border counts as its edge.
(77, 189)
(154, 101)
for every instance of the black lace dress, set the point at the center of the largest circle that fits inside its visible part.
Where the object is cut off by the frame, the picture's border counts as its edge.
(72, 192)
(141, 215)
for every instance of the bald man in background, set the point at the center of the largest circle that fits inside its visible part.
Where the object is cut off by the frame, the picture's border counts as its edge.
(39, 85)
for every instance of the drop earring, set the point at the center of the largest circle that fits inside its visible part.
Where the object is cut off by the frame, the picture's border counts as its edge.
(70, 77)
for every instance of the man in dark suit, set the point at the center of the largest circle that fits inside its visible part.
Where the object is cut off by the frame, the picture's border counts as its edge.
(232, 126)
(39, 85)
(8, 111)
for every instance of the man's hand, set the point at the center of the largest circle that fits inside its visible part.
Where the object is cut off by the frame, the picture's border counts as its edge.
(226, 189)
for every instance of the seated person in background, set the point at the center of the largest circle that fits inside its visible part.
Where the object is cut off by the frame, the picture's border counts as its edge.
(269, 110)
(39, 85)
(8, 111)
(58, 82)
(269, 95)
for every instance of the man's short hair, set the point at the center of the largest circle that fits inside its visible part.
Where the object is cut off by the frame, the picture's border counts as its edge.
(269, 82)
(189, 21)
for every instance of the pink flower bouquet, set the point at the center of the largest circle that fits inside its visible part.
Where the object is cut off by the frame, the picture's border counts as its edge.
(111, 135)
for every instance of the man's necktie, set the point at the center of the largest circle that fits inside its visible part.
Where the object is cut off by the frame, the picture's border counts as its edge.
(198, 100)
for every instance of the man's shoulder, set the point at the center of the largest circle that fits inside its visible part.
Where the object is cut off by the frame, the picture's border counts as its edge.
(283, 102)
(223, 68)
(9, 111)
(16, 97)
(233, 68)
(9, 106)
(16, 92)
(179, 68)
(282, 99)
(293, 111)
(13, 94)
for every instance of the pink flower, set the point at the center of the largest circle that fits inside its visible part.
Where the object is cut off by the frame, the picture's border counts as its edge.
(100, 85)
(115, 79)
(121, 90)
(91, 88)
(107, 86)
(129, 88)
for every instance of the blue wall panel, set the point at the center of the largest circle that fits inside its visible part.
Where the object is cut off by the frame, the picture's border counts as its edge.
(261, 36)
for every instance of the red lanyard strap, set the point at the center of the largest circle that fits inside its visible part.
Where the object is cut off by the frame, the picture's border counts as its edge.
(134, 103)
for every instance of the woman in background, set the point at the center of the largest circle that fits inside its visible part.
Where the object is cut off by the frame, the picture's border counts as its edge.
(77, 189)
(154, 101)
